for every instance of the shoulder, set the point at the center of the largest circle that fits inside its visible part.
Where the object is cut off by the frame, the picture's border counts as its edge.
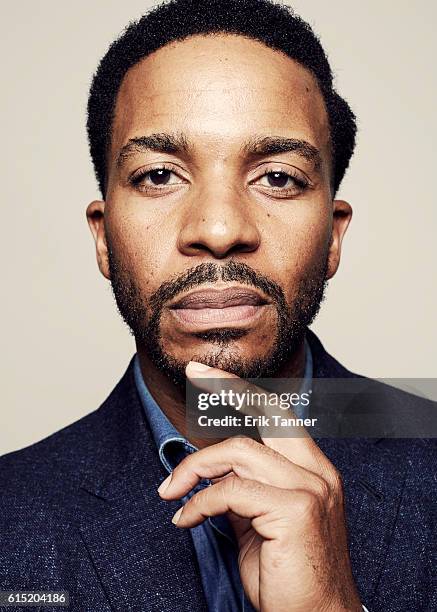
(38, 496)
(41, 488)
(365, 407)
(51, 470)
(46, 474)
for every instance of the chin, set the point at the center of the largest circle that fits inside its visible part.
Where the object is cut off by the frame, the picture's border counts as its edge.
(245, 364)
(224, 349)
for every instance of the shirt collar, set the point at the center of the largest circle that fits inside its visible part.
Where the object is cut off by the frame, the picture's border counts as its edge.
(172, 446)
(169, 442)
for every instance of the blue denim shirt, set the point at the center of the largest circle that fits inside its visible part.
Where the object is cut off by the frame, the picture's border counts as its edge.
(214, 541)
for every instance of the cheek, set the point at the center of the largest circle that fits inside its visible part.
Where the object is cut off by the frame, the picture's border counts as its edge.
(296, 240)
(139, 245)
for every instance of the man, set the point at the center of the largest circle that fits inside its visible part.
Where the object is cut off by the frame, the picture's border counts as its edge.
(219, 144)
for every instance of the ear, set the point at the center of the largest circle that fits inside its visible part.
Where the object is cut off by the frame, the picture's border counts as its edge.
(95, 215)
(342, 215)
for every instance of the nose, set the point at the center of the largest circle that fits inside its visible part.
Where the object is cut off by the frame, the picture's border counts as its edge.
(218, 222)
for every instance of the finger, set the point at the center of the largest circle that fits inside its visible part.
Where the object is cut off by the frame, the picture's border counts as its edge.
(297, 446)
(246, 498)
(242, 457)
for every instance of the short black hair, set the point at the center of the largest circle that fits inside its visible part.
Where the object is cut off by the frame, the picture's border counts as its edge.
(275, 25)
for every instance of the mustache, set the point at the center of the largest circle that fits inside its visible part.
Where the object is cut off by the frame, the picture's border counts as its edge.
(211, 272)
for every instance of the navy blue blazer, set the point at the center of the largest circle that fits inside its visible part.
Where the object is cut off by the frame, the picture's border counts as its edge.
(79, 512)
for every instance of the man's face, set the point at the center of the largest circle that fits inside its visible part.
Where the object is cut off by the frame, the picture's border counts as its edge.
(219, 231)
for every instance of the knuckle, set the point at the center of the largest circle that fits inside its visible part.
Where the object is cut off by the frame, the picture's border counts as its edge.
(231, 485)
(236, 486)
(336, 479)
(305, 503)
(330, 474)
(333, 477)
(321, 487)
(242, 443)
(198, 499)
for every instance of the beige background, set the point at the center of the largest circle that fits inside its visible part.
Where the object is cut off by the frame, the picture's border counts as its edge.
(63, 345)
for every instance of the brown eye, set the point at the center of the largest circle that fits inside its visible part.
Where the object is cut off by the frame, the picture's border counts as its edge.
(277, 179)
(160, 176)
(155, 180)
(283, 184)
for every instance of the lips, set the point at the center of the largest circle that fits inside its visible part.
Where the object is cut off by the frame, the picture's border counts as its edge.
(236, 306)
(220, 298)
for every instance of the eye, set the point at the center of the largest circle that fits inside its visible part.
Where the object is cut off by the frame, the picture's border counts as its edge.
(154, 179)
(160, 176)
(282, 180)
(282, 184)
(277, 179)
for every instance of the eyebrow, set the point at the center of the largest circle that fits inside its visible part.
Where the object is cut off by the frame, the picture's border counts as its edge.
(257, 146)
(161, 143)
(272, 145)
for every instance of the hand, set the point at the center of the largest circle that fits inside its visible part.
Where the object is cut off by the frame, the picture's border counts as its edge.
(284, 500)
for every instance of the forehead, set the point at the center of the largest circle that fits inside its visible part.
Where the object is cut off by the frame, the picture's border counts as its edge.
(220, 90)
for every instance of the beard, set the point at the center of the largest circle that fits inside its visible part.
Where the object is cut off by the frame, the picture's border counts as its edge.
(143, 316)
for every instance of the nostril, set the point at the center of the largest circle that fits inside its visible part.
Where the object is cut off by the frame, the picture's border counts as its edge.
(220, 252)
(198, 246)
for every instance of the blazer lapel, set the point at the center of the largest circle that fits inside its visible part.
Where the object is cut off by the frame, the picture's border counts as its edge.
(373, 481)
(144, 562)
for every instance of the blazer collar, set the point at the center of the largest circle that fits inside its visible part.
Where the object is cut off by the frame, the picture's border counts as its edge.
(144, 562)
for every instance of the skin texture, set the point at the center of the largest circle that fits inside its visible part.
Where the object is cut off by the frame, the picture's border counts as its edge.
(220, 207)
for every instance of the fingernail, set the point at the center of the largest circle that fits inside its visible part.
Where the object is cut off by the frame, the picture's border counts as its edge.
(177, 516)
(164, 484)
(196, 367)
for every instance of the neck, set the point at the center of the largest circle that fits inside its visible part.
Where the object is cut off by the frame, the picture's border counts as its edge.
(171, 398)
